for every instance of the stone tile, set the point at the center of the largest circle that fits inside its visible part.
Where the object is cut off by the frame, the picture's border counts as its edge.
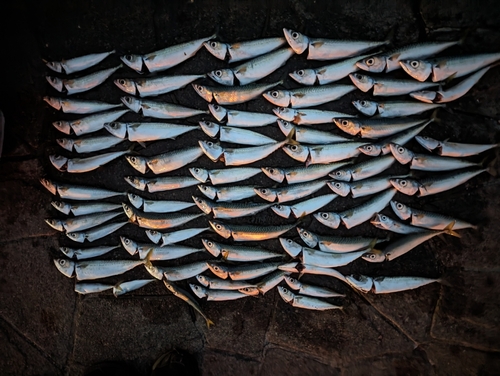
(406, 364)
(35, 298)
(467, 312)
(218, 363)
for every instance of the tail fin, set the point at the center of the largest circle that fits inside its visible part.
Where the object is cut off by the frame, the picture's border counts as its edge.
(389, 38)
(434, 117)
(449, 230)
(289, 139)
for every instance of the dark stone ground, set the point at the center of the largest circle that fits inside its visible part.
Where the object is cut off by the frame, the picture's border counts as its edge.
(47, 329)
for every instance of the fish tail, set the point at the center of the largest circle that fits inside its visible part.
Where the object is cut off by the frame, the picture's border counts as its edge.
(490, 167)
(147, 260)
(390, 36)
(289, 139)
(444, 282)
(449, 230)
(372, 244)
(209, 322)
(464, 36)
(117, 288)
(434, 117)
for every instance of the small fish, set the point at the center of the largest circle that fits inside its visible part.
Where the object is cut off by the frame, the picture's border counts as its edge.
(157, 221)
(142, 132)
(125, 287)
(160, 110)
(175, 273)
(362, 188)
(308, 116)
(83, 209)
(81, 84)
(303, 208)
(249, 233)
(328, 259)
(82, 222)
(249, 271)
(323, 154)
(79, 106)
(307, 97)
(222, 284)
(302, 174)
(376, 128)
(167, 183)
(305, 302)
(133, 247)
(89, 144)
(307, 135)
(168, 252)
(234, 52)
(235, 135)
(393, 109)
(317, 270)
(388, 86)
(385, 223)
(84, 288)
(229, 193)
(243, 119)
(271, 280)
(95, 233)
(364, 169)
(387, 285)
(311, 290)
(86, 253)
(166, 162)
(174, 236)
(77, 192)
(163, 206)
(234, 94)
(216, 295)
(290, 192)
(224, 175)
(337, 244)
(229, 210)
(89, 124)
(77, 64)
(453, 149)
(95, 269)
(81, 165)
(147, 87)
(238, 252)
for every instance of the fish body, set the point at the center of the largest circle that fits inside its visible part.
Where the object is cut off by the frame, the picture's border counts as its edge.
(168, 252)
(305, 302)
(233, 94)
(147, 87)
(248, 271)
(393, 109)
(77, 192)
(308, 116)
(385, 223)
(79, 106)
(238, 51)
(125, 287)
(142, 132)
(89, 144)
(95, 233)
(376, 128)
(388, 86)
(322, 154)
(364, 169)
(244, 119)
(157, 221)
(89, 124)
(317, 270)
(165, 162)
(222, 284)
(301, 174)
(328, 259)
(311, 290)
(160, 110)
(86, 253)
(238, 252)
(157, 206)
(229, 210)
(249, 233)
(81, 84)
(225, 175)
(79, 63)
(290, 192)
(305, 207)
(308, 135)
(361, 283)
(239, 156)
(453, 149)
(82, 222)
(271, 280)
(81, 165)
(84, 288)
(361, 188)
(176, 273)
(387, 285)
(161, 184)
(174, 236)
(228, 193)
(83, 209)
(307, 96)
(235, 135)
(336, 244)
(95, 269)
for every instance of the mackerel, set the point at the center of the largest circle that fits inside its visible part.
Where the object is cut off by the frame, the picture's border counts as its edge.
(271, 280)
(165, 162)
(176, 273)
(235, 135)
(95, 269)
(81, 84)
(234, 94)
(249, 233)
(89, 144)
(157, 221)
(307, 96)
(157, 206)
(385, 223)
(328, 259)
(82, 222)
(290, 192)
(216, 295)
(95, 233)
(376, 128)
(322, 154)
(248, 271)
(235, 118)
(238, 252)
(364, 169)
(83, 209)
(89, 124)
(225, 175)
(230, 193)
(79, 106)
(125, 287)
(310, 290)
(311, 269)
(361, 188)
(86, 253)
(388, 285)
(305, 302)
(222, 284)
(453, 149)
(301, 174)
(77, 64)
(229, 210)
(174, 236)
(393, 109)
(305, 207)
(336, 244)
(142, 132)
(388, 86)
(233, 52)
(161, 184)
(81, 165)
(147, 87)
(308, 116)
(160, 110)
(308, 135)
(77, 192)
(91, 287)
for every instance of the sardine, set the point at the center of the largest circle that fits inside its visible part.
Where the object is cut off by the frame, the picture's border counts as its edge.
(225, 175)
(81, 165)
(301, 174)
(364, 169)
(311, 269)
(453, 149)
(310, 290)
(83, 209)
(147, 87)
(387, 285)
(95, 232)
(81, 84)
(303, 208)
(82, 222)
(95, 269)
(235, 135)
(238, 252)
(388, 86)
(337, 244)
(160, 110)
(305, 302)
(243, 50)
(142, 132)
(322, 154)
(229, 210)
(329, 259)
(86, 253)
(174, 236)
(165, 162)
(125, 287)
(168, 252)
(89, 144)
(161, 184)
(308, 135)
(222, 284)
(77, 192)
(249, 233)
(234, 94)
(157, 221)
(361, 283)
(88, 124)
(91, 287)
(308, 96)
(393, 109)
(361, 188)
(385, 223)
(243, 119)
(290, 192)
(158, 206)
(133, 247)
(271, 280)
(230, 193)
(376, 128)
(175, 273)
(308, 116)
(248, 271)
(79, 106)
(216, 295)
(77, 64)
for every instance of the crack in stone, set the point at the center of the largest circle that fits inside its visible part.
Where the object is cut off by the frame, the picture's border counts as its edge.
(74, 328)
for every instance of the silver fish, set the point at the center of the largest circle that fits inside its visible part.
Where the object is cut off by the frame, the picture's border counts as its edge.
(249, 233)
(328, 259)
(142, 132)
(305, 302)
(322, 154)
(364, 169)
(91, 288)
(229, 210)
(147, 87)
(393, 109)
(225, 175)
(230, 193)
(308, 116)
(165, 162)
(133, 247)
(453, 149)
(82, 222)
(234, 94)
(125, 287)
(290, 192)
(387, 285)
(81, 165)
(308, 96)
(244, 119)
(216, 295)
(310, 290)
(235, 135)
(328, 49)
(95, 269)
(305, 207)
(77, 64)
(252, 70)
(157, 221)
(308, 135)
(385, 223)
(238, 51)
(166, 58)
(79, 106)
(317, 270)
(376, 128)
(83, 209)
(88, 124)
(161, 184)
(301, 174)
(163, 206)
(175, 273)
(337, 244)
(95, 232)
(86, 253)
(160, 110)
(77, 192)
(271, 280)
(174, 236)
(291, 247)
(168, 252)
(361, 188)
(222, 284)
(89, 144)
(81, 84)
(238, 252)
(248, 271)
(388, 86)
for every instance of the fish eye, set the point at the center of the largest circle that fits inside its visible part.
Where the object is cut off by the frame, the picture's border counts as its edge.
(127, 241)
(216, 268)
(218, 227)
(218, 73)
(369, 148)
(121, 81)
(274, 94)
(295, 35)
(305, 233)
(399, 206)
(58, 123)
(358, 76)
(113, 125)
(133, 159)
(370, 61)
(286, 124)
(300, 72)
(425, 137)
(383, 217)
(403, 183)
(324, 215)
(264, 191)
(154, 232)
(199, 87)
(401, 150)
(210, 244)
(292, 279)
(271, 170)
(279, 207)
(62, 262)
(344, 122)
(363, 103)
(128, 57)
(196, 287)
(289, 241)
(216, 108)
(372, 256)
(414, 64)
(213, 44)
(294, 147)
(128, 99)
(210, 143)
(338, 173)
(196, 170)
(134, 197)
(337, 185)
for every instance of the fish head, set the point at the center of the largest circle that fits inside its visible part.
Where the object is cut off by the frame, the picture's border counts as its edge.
(67, 251)
(342, 175)
(133, 61)
(211, 149)
(292, 282)
(199, 291)
(76, 236)
(401, 210)
(56, 66)
(65, 266)
(428, 143)
(339, 187)
(130, 246)
(280, 98)
(372, 150)
(61, 206)
(138, 162)
(136, 182)
(374, 256)
(210, 128)
(199, 173)
(362, 282)
(66, 143)
(217, 111)
(252, 291)
(362, 81)
(62, 126)
(402, 154)
(282, 210)
(285, 126)
(328, 219)
(135, 200)
(420, 70)
(208, 191)
(350, 126)
(368, 108)
(53, 102)
(297, 152)
(59, 162)
(117, 129)
(299, 42)
(221, 76)
(268, 194)
(218, 269)
(221, 229)
(204, 205)
(425, 96)
(407, 186)
(285, 294)
(129, 212)
(203, 280)
(381, 221)
(133, 103)
(274, 173)
(127, 85)
(154, 236)
(216, 48)
(49, 185)
(212, 247)
(291, 247)
(284, 113)
(56, 224)
(304, 76)
(375, 64)
(308, 237)
(55, 82)
(204, 92)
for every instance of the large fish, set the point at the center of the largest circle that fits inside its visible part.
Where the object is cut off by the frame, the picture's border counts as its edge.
(290, 192)
(157, 221)
(303, 208)
(174, 236)
(235, 135)
(388, 86)
(224, 175)
(308, 135)
(157, 206)
(337, 244)
(376, 128)
(234, 52)
(228, 193)
(229, 210)
(235, 118)
(393, 109)
(311, 290)
(308, 116)
(239, 253)
(88, 144)
(82, 222)
(305, 302)
(80, 165)
(301, 174)
(84, 208)
(77, 192)
(167, 183)
(95, 269)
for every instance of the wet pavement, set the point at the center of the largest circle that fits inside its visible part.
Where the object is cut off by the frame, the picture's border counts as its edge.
(47, 329)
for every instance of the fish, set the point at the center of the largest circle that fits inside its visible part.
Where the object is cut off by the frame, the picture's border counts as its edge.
(328, 49)
(271, 280)
(303, 208)
(307, 96)
(77, 192)
(234, 52)
(317, 270)
(165, 58)
(245, 119)
(89, 144)
(84, 288)
(442, 68)
(238, 252)
(388, 86)
(311, 290)
(81, 84)
(81, 165)
(233, 94)
(89, 124)
(142, 132)
(376, 128)
(387, 285)
(167, 183)
(390, 61)
(83, 209)
(77, 64)
(79, 106)
(157, 221)
(337, 244)
(95, 233)
(158, 206)
(290, 192)
(426, 162)
(160, 110)
(301, 174)
(305, 302)
(394, 108)
(125, 287)
(245, 233)
(86, 253)
(355, 216)
(95, 269)
(361, 283)
(308, 135)
(253, 70)
(228, 193)
(224, 175)
(168, 252)
(82, 222)
(308, 116)
(222, 284)
(323, 154)
(453, 149)
(175, 273)
(184, 295)
(235, 135)
(433, 221)
(174, 236)
(166, 162)
(364, 169)
(216, 295)
(249, 271)
(385, 223)
(229, 210)
(329, 259)
(147, 87)
(134, 248)
(361, 188)
(406, 244)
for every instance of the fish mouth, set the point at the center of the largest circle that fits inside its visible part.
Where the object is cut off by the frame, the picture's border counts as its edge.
(59, 162)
